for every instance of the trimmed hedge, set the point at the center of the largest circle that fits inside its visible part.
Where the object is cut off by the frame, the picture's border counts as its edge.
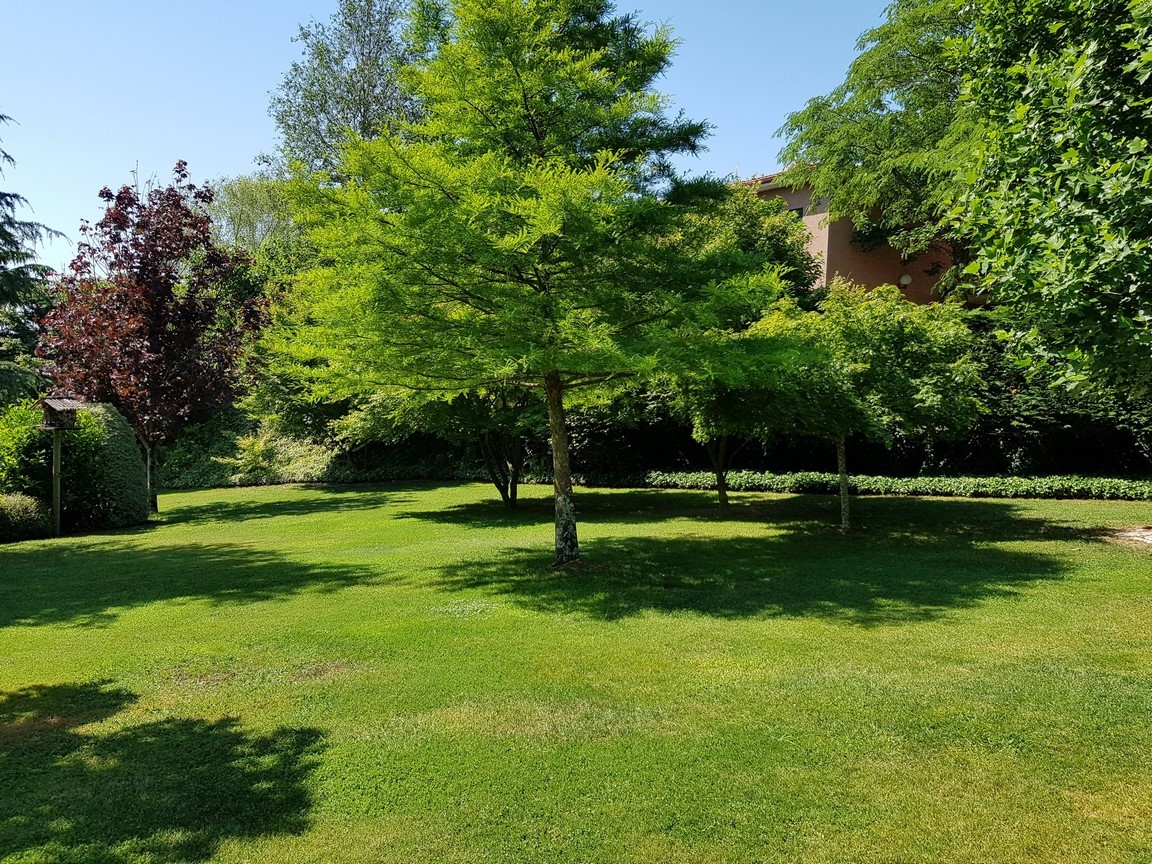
(23, 518)
(104, 476)
(815, 483)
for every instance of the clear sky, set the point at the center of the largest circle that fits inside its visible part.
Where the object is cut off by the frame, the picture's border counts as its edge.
(100, 89)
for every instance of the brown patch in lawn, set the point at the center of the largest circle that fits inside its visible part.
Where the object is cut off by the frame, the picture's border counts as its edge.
(1128, 804)
(1139, 536)
(12, 733)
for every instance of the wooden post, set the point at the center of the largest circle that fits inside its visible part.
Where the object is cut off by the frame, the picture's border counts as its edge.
(57, 435)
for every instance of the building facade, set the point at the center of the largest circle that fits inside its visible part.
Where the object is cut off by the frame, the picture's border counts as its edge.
(833, 244)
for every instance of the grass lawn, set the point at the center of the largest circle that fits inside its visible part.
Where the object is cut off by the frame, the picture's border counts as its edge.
(390, 674)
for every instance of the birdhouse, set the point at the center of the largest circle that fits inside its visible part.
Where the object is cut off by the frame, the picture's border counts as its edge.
(60, 411)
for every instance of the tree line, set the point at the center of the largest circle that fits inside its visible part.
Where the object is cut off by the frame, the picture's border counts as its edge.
(474, 225)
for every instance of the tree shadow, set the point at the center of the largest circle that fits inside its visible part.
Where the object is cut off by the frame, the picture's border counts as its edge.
(335, 499)
(617, 506)
(168, 792)
(93, 583)
(916, 561)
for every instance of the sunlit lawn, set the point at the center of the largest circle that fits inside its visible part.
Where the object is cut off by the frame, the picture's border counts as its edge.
(390, 674)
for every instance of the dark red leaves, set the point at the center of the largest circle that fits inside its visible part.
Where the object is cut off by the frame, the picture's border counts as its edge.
(153, 317)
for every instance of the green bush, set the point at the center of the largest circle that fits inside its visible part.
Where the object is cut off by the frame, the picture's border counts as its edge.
(23, 518)
(103, 471)
(966, 487)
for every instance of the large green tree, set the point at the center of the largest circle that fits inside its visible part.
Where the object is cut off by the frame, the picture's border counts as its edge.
(1059, 206)
(512, 235)
(883, 146)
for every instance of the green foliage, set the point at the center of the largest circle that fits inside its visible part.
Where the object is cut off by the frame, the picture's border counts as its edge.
(896, 366)
(817, 483)
(22, 517)
(250, 212)
(513, 235)
(345, 84)
(23, 296)
(104, 484)
(267, 457)
(883, 146)
(1058, 206)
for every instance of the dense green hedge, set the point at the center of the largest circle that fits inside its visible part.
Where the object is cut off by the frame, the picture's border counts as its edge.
(23, 518)
(104, 475)
(963, 487)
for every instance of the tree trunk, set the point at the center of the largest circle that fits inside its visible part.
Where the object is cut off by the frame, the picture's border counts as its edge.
(515, 466)
(718, 452)
(842, 468)
(492, 464)
(150, 468)
(567, 544)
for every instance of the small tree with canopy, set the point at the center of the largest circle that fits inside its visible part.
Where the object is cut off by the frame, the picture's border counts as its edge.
(153, 316)
(890, 366)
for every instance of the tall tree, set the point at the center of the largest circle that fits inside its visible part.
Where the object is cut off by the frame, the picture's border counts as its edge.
(512, 235)
(346, 82)
(883, 146)
(22, 292)
(152, 315)
(1058, 207)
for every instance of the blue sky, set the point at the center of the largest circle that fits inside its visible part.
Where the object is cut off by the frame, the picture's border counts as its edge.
(100, 89)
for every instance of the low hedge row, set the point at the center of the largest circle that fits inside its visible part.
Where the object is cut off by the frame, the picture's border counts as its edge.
(960, 487)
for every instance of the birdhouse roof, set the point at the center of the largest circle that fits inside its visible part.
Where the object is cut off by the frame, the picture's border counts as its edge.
(63, 403)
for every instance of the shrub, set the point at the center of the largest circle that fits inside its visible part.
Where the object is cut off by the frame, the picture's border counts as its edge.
(104, 479)
(23, 518)
(966, 487)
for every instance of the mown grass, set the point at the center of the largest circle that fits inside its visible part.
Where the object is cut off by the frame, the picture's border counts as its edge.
(390, 674)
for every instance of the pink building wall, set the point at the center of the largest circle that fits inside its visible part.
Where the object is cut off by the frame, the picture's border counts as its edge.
(831, 244)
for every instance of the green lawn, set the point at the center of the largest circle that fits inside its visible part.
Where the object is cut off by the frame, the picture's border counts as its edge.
(390, 674)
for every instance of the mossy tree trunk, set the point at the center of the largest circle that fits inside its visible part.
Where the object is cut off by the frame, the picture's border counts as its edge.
(567, 544)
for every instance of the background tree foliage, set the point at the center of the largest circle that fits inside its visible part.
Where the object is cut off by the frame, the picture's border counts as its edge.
(23, 296)
(1058, 203)
(346, 82)
(882, 147)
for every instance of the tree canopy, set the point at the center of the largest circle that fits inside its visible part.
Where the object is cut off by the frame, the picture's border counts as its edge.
(882, 147)
(22, 292)
(345, 83)
(513, 234)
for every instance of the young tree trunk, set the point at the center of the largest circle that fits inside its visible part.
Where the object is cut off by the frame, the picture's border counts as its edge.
(493, 463)
(718, 452)
(150, 468)
(842, 468)
(515, 466)
(567, 544)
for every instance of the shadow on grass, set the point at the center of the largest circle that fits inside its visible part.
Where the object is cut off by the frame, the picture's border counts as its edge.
(91, 584)
(167, 792)
(914, 561)
(335, 499)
